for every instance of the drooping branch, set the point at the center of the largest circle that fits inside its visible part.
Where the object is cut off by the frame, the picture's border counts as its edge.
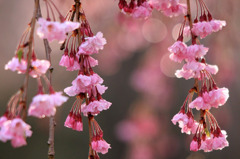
(52, 124)
(29, 56)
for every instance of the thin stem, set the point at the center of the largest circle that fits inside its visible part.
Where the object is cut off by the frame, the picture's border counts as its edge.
(52, 124)
(25, 86)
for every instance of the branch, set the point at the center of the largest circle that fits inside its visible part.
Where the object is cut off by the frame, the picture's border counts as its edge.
(29, 56)
(52, 124)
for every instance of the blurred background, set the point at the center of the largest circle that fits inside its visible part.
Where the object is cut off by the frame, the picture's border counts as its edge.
(142, 87)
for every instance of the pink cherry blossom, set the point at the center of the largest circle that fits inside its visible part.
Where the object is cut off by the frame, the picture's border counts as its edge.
(39, 67)
(95, 107)
(194, 146)
(55, 30)
(92, 44)
(178, 51)
(220, 96)
(15, 130)
(45, 104)
(100, 146)
(174, 10)
(83, 84)
(65, 61)
(193, 69)
(214, 98)
(217, 24)
(90, 61)
(204, 28)
(16, 65)
(186, 123)
(206, 145)
(196, 51)
(142, 11)
(101, 88)
(74, 121)
(169, 7)
(220, 142)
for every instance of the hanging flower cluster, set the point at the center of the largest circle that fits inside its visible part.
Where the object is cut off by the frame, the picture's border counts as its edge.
(208, 135)
(87, 86)
(12, 125)
(144, 8)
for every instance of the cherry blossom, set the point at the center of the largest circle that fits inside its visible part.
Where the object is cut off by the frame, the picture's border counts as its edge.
(214, 98)
(83, 84)
(178, 51)
(142, 11)
(100, 146)
(17, 64)
(95, 107)
(205, 28)
(52, 30)
(92, 44)
(45, 104)
(15, 130)
(74, 121)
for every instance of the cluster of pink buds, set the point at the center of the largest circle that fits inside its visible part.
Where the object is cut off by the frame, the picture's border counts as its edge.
(207, 134)
(144, 8)
(87, 87)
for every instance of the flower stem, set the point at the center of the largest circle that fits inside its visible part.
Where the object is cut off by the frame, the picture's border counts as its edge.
(52, 123)
(30, 46)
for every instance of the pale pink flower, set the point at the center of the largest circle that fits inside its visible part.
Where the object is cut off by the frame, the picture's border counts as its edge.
(217, 24)
(51, 30)
(65, 61)
(101, 88)
(92, 44)
(174, 10)
(220, 142)
(74, 121)
(219, 96)
(83, 84)
(169, 7)
(181, 118)
(194, 146)
(2, 120)
(16, 65)
(178, 51)
(186, 31)
(206, 145)
(143, 11)
(214, 98)
(73, 65)
(191, 69)
(15, 130)
(45, 104)
(213, 69)
(202, 29)
(39, 67)
(196, 51)
(95, 107)
(90, 61)
(186, 122)
(100, 146)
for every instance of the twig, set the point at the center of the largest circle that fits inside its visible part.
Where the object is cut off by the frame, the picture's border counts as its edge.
(30, 46)
(52, 124)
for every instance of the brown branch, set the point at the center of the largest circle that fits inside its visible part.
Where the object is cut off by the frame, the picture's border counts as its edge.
(52, 124)
(29, 56)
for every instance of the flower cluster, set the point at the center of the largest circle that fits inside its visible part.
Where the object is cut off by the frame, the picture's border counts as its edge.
(207, 134)
(144, 8)
(87, 86)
